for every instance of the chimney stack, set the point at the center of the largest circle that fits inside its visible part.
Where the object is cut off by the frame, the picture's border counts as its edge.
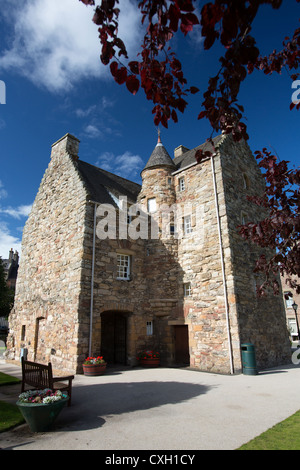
(67, 144)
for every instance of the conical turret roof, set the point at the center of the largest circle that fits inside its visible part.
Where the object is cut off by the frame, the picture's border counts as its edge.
(159, 157)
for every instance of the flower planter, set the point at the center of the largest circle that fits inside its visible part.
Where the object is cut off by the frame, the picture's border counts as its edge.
(40, 416)
(150, 362)
(94, 369)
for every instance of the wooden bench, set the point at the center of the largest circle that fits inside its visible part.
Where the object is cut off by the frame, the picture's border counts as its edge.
(39, 376)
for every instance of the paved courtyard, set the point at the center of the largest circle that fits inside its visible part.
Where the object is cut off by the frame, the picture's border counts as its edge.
(164, 408)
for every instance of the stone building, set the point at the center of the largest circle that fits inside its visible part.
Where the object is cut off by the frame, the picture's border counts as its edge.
(112, 267)
(11, 266)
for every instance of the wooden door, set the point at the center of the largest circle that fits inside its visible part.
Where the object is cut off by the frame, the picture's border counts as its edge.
(113, 337)
(182, 355)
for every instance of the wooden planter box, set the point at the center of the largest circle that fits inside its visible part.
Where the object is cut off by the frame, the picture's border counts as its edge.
(150, 362)
(94, 369)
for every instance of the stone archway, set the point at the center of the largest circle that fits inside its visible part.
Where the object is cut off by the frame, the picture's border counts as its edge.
(114, 337)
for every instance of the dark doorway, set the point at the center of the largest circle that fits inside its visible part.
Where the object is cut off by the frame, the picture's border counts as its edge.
(182, 355)
(113, 337)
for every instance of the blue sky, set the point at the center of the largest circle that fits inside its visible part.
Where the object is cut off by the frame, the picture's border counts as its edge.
(49, 62)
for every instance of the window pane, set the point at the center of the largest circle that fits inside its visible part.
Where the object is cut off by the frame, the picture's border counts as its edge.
(123, 266)
(152, 205)
(187, 289)
(187, 224)
(149, 328)
(181, 184)
(289, 302)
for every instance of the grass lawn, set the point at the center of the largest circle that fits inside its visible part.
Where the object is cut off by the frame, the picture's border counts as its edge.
(10, 415)
(282, 436)
(6, 379)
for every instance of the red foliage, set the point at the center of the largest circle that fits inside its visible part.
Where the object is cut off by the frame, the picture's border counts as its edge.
(281, 228)
(159, 73)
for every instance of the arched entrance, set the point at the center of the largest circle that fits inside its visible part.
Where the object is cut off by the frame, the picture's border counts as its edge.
(114, 337)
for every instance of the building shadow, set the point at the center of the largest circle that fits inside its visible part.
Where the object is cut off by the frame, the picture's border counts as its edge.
(92, 404)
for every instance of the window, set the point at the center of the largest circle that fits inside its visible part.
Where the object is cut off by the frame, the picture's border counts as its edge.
(187, 289)
(181, 184)
(23, 333)
(123, 267)
(187, 225)
(169, 181)
(149, 327)
(152, 205)
(292, 325)
(172, 229)
(288, 302)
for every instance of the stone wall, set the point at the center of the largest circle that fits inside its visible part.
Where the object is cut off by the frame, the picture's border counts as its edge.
(200, 260)
(45, 316)
(261, 321)
(193, 280)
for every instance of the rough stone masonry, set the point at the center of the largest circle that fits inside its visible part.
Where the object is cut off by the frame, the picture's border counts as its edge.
(187, 289)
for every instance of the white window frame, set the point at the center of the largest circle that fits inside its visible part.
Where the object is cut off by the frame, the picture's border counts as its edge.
(187, 289)
(124, 266)
(288, 302)
(151, 205)
(149, 328)
(181, 183)
(187, 224)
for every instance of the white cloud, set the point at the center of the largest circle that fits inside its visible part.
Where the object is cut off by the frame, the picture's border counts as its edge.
(8, 241)
(126, 165)
(82, 113)
(18, 212)
(56, 43)
(93, 132)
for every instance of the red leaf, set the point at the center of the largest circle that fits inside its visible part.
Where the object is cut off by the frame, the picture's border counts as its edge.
(194, 90)
(121, 75)
(174, 15)
(132, 84)
(113, 68)
(174, 116)
(134, 66)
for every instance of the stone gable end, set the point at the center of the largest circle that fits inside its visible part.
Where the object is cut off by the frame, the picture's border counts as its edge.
(49, 278)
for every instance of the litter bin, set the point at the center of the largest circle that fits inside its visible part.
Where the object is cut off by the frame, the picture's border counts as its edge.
(248, 359)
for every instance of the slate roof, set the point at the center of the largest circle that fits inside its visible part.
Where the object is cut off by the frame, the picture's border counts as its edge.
(188, 157)
(159, 158)
(105, 187)
(102, 185)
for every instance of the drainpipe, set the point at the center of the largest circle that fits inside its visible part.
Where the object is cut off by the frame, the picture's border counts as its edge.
(222, 265)
(92, 280)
